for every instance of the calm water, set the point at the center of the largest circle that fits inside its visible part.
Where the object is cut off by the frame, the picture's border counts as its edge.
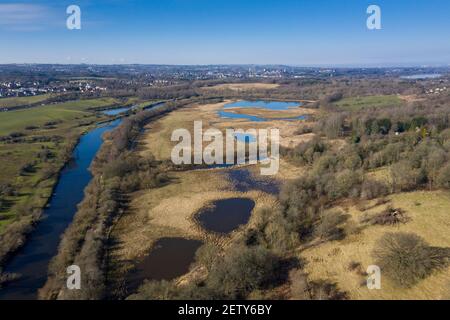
(423, 76)
(169, 259)
(244, 181)
(32, 260)
(115, 112)
(269, 105)
(226, 215)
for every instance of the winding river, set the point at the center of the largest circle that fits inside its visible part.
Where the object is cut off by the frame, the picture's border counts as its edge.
(32, 260)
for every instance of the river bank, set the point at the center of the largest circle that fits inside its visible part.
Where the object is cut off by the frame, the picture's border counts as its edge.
(31, 260)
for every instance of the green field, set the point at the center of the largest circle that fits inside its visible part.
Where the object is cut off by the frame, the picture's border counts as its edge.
(32, 188)
(358, 103)
(18, 120)
(23, 101)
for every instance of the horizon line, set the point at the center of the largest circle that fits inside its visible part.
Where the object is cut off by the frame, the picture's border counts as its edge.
(337, 66)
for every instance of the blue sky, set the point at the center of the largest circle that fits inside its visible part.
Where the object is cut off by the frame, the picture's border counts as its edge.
(295, 32)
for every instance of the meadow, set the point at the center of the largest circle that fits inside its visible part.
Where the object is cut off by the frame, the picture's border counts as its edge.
(14, 102)
(377, 101)
(428, 217)
(18, 120)
(45, 136)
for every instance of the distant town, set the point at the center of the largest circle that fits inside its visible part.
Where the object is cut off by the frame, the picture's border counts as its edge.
(93, 79)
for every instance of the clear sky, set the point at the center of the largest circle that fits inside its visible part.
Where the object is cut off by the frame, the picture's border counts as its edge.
(295, 32)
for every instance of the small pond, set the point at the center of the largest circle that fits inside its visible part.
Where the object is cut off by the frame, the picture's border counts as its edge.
(170, 258)
(226, 215)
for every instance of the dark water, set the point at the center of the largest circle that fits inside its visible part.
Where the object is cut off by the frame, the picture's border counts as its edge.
(169, 259)
(244, 181)
(31, 262)
(226, 215)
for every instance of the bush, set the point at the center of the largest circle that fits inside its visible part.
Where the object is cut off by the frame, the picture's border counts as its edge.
(299, 285)
(371, 189)
(406, 258)
(155, 290)
(390, 217)
(207, 255)
(303, 289)
(242, 270)
(443, 179)
(405, 177)
(330, 226)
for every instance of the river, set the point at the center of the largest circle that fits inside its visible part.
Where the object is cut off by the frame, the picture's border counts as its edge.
(32, 260)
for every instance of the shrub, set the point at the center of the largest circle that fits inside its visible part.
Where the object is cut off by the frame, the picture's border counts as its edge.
(443, 179)
(404, 176)
(390, 217)
(371, 189)
(299, 285)
(406, 258)
(155, 290)
(303, 289)
(325, 290)
(242, 270)
(330, 225)
(207, 255)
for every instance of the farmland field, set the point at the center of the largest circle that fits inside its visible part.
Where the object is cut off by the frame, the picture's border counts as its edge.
(19, 119)
(20, 101)
(359, 103)
(49, 130)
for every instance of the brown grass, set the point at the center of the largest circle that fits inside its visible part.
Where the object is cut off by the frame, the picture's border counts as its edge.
(170, 211)
(430, 216)
(273, 114)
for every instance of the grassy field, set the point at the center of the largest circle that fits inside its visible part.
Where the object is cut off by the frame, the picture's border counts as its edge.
(359, 103)
(430, 218)
(18, 120)
(22, 101)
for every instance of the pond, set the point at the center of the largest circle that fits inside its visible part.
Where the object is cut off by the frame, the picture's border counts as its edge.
(225, 216)
(268, 105)
(262, 104)
(244, 181)
(169, 259)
